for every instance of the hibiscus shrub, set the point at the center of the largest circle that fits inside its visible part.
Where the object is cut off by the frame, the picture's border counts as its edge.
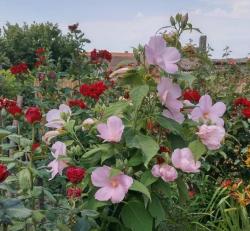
(138, 149)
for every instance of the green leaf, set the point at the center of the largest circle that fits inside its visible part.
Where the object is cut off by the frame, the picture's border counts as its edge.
(147, 178)
(136, 217)
(69, 126)
(182, 189)
(37, 216)
(169, 124)
(132, 78)
(102, 147)
(147, 144)
(49, 196)
(135, 160)
(116, 108)
(197, 148)
(162, 187)
(139, 187)
(25, 179)
(137, 95)
(114, 172)
(82, 224)
(156, 209)
(4, 133)
(14, 208)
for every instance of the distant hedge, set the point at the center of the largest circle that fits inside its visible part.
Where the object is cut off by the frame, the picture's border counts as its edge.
(19, 42)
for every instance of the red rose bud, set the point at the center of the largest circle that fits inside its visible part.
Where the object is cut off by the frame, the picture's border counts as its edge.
(39, 51)
(4, 173)
(191, 193)
(246, 112)
(76, 103)
(33, 115)
(14, 110)
(74, 192)
(160, 160)
(191, 95)
(150, 125)
(164, 149)
(75, 174)
(52, 75)
(35, 146)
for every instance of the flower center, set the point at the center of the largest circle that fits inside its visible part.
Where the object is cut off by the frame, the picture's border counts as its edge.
(206, 115)
(114, 183)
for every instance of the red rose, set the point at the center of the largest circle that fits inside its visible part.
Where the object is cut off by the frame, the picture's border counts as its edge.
(241, 101)
(76, 103)
(35, 146)
(33, 115)
(40, 50)
(104, 54)
(93, 90)
(246, 112)
(94, 55)
(74, 192)
(19, 69)
(75, 174)
(191, 95)
(14, 110)
(4, 173)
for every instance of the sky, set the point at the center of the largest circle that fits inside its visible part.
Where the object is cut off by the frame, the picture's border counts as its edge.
(119, 25)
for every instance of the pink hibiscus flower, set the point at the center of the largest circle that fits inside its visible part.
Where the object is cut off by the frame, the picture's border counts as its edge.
(207, 112)
(169, 93)
(157, 53)
(56, 118)
(58, 149)
(211, 136)
(111, 188)
(184, 160)
(112, 131)
(165, 171)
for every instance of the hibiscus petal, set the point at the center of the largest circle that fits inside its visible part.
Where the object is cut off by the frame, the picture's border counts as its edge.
(100, 176)
(103, 194)
(125, 181)
(64, 108)
(205, 103)
(171, 55)
(53, 114)
(103, 130)
(118, 194)
(156, 170)
(218, 109)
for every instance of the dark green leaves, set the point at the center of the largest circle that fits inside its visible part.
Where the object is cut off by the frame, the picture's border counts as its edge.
(136, 217)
